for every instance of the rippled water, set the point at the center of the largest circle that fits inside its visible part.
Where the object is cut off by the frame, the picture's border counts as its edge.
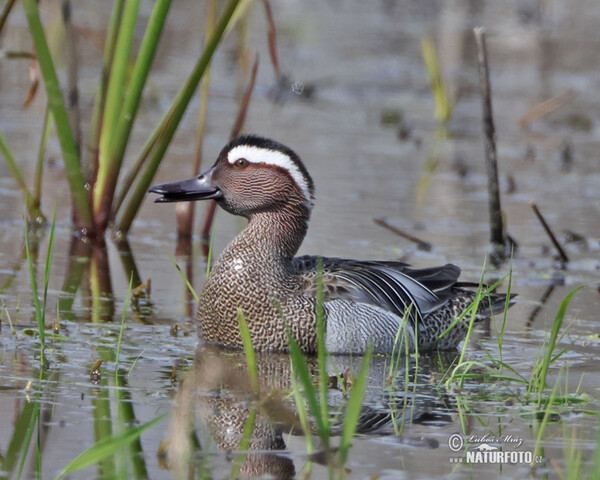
(369, 139)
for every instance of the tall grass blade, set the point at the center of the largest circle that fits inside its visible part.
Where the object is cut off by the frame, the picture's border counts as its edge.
(33, 206)
(107, 170)
(100, 99)
(127, 109)
(248, 351)
(18, 445)
(596, 467)
(301, 370)
(39, 166)
(209, 257)
(185, 211)
(107, 447)
(354, 406)
(443, 105)
(500, 336)
(244, 444)
(81, 203)
(539, 378)
(162, 135)
(321, 351)
(33, 421)
(47, 269)
(125, 306)
(183, 277)
(39, 310)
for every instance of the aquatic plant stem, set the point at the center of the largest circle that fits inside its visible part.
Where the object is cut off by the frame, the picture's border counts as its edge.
(111, 159)
(72, 75)
(106, 447)
(354, 406)
(170, 122)
(248, 351)
(185, 211)
(321, 352)
(39, 166)
(5, 12)
(33, 206)
(100, 99)
(123, 320)
(497, 236)
(443, 106)
(81, 203)
(235, 131)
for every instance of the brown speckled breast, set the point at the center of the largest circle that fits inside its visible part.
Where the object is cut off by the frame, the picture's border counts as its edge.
(270, 296)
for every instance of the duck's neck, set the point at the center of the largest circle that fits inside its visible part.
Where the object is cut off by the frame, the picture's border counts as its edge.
(276, 233)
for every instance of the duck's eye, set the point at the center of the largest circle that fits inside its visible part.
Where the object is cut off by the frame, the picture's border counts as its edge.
(241, 163)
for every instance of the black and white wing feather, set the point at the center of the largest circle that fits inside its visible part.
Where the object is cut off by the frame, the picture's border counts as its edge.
(392, 286)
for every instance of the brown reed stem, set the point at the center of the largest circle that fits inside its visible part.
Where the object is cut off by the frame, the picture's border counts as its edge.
(235, 131)
(497, 236)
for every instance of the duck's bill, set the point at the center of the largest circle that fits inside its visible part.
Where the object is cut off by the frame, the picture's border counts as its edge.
(197, 188)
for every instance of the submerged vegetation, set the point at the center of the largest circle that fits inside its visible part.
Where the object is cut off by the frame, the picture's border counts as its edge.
(93, 172)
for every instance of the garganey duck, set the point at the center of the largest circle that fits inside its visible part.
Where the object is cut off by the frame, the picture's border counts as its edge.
(259, 274)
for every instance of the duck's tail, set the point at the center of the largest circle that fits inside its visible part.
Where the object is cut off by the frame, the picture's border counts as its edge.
(440, 329)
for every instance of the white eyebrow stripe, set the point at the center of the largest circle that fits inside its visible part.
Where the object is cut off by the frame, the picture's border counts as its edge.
(270, 157)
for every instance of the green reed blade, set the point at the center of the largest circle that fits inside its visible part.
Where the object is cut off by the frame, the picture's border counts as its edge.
(540, 378)
(301, 369)
(354, 406)
(443, 105)
(184, 278)
(56, 104)
(596, 467)
(321, 351)
(33, 421)
(100, 98)
(30, 202)
(116, 83)
(112, 109)
(248, 351)
(39, 166)
(49, 260)
(39, 315)
(162, 135)
(125, 306)
(19, 441)
(106, 447)
(209, 258)
(127, 108)
(302, 415)
(244, 444)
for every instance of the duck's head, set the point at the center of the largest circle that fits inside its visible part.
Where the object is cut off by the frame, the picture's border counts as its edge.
(252, 174)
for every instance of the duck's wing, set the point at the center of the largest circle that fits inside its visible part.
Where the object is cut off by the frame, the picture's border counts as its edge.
(392, 286)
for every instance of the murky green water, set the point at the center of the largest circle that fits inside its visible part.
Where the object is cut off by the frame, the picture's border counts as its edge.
(363, 62)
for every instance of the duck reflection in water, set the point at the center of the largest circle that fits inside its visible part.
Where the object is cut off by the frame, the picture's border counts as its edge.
(218, 392)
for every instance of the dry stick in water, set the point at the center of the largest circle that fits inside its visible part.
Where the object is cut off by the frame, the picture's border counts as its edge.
(563, 256)
(422, 244)
(497, 237)
(272, 40)
(185, 211)
(235, 131)
(544, 108)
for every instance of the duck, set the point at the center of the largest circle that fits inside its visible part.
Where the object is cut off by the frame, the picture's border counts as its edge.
(377, 304)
